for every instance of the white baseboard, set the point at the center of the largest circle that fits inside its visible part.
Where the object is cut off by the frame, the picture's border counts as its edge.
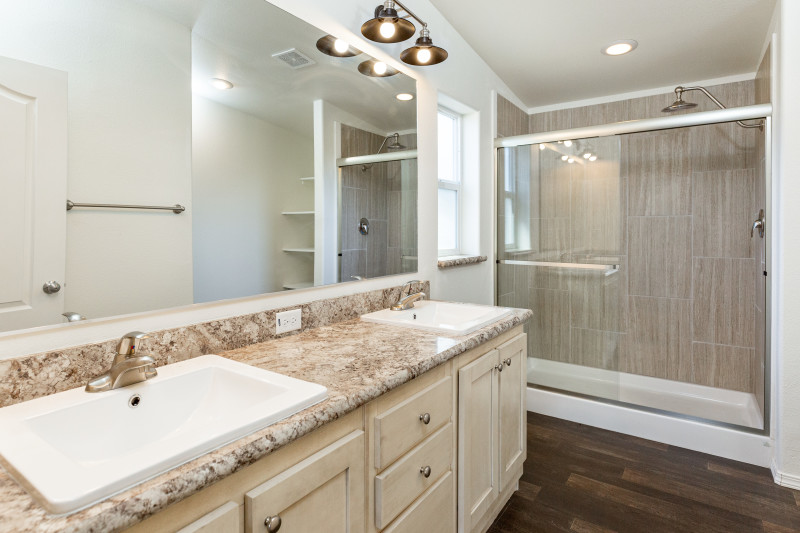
(684, 433)
(785, 480)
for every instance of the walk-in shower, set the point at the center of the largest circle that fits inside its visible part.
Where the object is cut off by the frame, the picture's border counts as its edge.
(631, 242)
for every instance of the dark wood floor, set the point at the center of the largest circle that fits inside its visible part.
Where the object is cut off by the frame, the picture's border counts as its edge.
(588, 480)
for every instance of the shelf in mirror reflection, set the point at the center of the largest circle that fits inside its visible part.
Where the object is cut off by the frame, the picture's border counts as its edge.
(297, 213)
(299, 250)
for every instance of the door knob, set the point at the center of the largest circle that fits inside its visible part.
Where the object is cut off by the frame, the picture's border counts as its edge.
(499, 367)
(508, 362)
(273, 523)
(425, 418)
(425, 471)
(51, 287)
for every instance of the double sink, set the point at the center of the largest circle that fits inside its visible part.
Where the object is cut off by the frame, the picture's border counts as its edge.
(73, 449)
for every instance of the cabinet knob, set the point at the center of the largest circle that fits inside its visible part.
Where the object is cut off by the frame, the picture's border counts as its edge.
(499, 367)
(508, 362)
(425, 418)
(425, 471)
(273, 523)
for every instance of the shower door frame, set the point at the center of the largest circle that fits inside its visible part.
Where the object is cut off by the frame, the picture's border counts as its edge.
(703, 118)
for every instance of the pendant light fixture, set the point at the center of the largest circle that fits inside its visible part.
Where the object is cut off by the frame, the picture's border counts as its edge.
(376, 69)
(389, 27)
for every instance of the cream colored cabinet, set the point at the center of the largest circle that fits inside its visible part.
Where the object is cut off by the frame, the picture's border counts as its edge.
(224, 519)
(492, 431)
(324, 492)
(512, 432)
(390, 465)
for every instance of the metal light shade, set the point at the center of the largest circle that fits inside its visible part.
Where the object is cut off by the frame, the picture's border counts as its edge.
(412, 55)
(403, 29)
(326, 45)
(367, 68)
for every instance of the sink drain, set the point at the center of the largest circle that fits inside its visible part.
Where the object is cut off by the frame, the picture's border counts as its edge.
(134, 401)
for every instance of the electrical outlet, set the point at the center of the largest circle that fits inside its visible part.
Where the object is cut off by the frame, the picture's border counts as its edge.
(287, 321)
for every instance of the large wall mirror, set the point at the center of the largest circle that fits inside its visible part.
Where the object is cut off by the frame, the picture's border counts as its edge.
(289, 158)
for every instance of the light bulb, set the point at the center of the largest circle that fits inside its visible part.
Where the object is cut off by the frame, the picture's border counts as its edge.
(341, 46)
(593, 158)
(379, 68)
(423, 55)
(387, 30)
(567, 143)
(563, 158)
(541, 147)
(587, 155)
(570, 160)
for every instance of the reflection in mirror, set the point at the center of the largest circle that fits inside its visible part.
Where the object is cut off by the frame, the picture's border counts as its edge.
(276, 148)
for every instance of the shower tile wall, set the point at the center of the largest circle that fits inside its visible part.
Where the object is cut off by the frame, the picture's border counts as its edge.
(385, 194)
(675, 214)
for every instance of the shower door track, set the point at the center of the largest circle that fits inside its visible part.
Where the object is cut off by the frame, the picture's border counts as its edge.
(637, 126)
(376, 158)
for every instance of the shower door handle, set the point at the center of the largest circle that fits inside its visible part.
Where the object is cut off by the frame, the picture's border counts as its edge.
(758, 225)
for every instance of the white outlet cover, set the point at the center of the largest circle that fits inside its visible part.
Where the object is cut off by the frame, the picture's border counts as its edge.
(288, 321)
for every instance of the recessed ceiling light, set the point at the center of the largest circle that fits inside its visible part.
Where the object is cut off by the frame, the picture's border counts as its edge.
(617, 48)
(222, 85)
(567, 143)
(404, 97)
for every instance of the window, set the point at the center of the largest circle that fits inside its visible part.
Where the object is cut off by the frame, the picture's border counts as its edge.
(449, 182)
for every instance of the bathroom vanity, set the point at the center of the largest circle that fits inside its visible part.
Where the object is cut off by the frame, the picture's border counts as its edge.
(418, 431)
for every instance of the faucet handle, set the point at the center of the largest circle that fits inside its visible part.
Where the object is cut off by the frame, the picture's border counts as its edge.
(407, 287)
(130, 342)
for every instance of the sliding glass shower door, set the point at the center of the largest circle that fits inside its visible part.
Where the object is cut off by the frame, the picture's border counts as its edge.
(636, 256)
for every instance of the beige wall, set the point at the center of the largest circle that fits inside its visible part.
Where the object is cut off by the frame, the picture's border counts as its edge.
(673, 209)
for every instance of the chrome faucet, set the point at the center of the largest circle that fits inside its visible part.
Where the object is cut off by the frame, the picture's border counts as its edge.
(128, 367)
(407, 301)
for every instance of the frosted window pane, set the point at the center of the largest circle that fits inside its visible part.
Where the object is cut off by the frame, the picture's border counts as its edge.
(448, 214)
(446, 148)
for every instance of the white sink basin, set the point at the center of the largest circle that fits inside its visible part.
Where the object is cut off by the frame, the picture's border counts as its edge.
(447, 318)
(75, 448)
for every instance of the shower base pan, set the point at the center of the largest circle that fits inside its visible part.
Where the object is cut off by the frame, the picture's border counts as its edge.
(710, 403)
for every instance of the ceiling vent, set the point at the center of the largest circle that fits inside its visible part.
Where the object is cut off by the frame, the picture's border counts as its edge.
(294, 58)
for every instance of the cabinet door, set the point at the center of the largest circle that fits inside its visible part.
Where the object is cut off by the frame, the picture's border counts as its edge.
(224, 519)
(513, 426)
(324, 492)
(478, 480)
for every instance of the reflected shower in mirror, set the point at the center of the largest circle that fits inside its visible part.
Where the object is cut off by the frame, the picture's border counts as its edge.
(226, 107)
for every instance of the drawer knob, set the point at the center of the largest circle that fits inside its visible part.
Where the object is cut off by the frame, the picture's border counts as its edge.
(499, 367)
(508, 362)
(425, 471)
(425, 418)
(273, 523)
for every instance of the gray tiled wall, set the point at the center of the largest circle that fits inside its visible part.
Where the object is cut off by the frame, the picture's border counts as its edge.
(674, 210)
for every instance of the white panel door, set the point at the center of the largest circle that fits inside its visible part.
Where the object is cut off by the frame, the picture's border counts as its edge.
(33, 185)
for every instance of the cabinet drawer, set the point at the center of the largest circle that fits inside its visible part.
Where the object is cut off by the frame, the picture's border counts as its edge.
(324, 492)
(400, 484)
(224, 519)
(434, 511)
(401, 428)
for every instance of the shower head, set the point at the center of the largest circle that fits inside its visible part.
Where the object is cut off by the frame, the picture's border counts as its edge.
(679, 104)
(395, 144)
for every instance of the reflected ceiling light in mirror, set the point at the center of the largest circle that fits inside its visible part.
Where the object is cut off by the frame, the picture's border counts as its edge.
(376, 69)
(404, 97)
(618, 48)
(593, 158)
(221, 84)
(388, 26)
(567, 143)
(330, 45)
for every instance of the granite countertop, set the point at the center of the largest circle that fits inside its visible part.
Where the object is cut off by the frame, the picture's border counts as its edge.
(357, 361)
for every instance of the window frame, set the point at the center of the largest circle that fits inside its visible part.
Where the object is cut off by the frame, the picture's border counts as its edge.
(455, 184)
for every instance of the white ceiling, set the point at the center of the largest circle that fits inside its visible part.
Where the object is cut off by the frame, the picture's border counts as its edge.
(548, 51)
(236, 40)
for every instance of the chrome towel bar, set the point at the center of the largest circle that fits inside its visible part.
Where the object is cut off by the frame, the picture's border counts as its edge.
(177, 208)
